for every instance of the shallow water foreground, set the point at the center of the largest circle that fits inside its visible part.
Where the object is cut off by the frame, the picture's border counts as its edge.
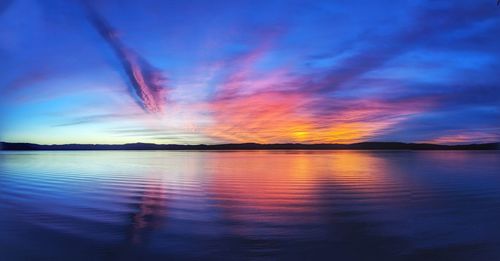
(342, 205)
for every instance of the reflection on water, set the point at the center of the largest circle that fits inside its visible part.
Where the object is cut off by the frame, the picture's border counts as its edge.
(253, 205)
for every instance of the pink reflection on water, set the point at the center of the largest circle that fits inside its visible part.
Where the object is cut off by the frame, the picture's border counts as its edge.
(263, 191)
(150, 210)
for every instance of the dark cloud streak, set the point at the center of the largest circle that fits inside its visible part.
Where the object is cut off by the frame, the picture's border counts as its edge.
(432, 21)
(145, 79)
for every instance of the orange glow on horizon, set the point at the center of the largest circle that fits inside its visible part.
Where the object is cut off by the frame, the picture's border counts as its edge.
(279, 117)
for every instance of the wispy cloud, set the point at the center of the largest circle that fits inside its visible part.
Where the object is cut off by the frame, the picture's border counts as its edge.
(432, 22)
(270, 117)
(95, 119)
(465, 136)
(145, 79)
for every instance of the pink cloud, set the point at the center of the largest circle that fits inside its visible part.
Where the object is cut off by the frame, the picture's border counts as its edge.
(146, 80)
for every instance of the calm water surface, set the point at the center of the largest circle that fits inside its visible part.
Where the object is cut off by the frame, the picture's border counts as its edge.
(257, 205)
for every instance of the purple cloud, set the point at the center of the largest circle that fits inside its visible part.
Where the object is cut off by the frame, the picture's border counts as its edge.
(145, 79)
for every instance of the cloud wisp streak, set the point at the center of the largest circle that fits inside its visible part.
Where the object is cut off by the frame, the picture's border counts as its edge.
(146, 80)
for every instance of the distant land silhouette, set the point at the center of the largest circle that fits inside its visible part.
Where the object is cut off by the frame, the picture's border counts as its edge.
(252, 146)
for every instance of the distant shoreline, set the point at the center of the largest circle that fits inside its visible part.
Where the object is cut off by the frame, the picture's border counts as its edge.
(249, 146)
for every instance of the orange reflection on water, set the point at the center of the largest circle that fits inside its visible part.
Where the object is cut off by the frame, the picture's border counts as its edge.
(360, 167)
(254, 183)
(259, 192)
(285, 185)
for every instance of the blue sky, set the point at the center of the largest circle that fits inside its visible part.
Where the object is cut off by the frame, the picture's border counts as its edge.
(192, 72)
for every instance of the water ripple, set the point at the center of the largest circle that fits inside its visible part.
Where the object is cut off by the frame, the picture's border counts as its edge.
(278, 205)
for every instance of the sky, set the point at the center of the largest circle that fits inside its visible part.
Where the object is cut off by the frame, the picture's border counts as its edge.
(193, 72)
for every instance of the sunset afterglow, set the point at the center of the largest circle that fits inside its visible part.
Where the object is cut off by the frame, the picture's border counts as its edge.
(249, 71)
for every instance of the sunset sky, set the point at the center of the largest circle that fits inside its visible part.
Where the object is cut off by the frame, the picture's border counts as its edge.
(190, 72)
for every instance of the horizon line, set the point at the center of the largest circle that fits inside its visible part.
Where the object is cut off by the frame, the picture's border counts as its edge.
(369, 145)
(243, 143)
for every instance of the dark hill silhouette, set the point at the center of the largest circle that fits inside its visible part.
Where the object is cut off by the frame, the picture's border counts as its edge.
(252, 146)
